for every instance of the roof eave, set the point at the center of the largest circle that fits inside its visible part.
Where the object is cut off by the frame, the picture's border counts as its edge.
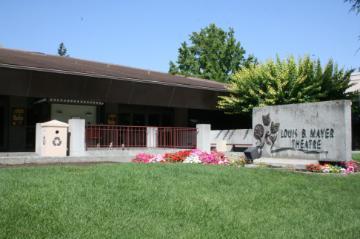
(94, 75)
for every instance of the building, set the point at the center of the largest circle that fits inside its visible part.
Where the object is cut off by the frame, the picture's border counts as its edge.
(355, 88)
(37, 87)
(355, 80)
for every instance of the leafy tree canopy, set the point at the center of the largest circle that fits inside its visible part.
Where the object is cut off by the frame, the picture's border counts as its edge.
(212, 54)
(62, 50)
(355, 5)
(285, 82)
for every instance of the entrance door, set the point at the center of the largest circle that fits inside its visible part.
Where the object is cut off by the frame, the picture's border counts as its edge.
(65, 112)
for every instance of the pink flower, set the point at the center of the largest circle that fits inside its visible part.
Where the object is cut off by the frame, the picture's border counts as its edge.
(143, 158)
(350, 169)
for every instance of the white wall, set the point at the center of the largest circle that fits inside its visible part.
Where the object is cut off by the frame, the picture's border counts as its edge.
(239, 137)
(355, 80)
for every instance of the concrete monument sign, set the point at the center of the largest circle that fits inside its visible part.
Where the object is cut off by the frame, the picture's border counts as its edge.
(315, 131)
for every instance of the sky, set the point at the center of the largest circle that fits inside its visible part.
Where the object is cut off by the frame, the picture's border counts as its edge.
(147, 34)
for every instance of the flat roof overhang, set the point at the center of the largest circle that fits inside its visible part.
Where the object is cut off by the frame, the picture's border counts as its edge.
(32, 82)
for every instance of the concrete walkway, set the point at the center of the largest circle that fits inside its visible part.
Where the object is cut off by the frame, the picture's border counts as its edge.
(285, 163)
(92, 156)
(18, 160)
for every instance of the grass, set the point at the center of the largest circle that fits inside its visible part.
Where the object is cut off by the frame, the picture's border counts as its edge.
(356, 157)
(176, 201)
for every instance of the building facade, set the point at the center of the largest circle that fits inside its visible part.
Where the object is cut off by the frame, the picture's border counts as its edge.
(355, 88)
(36, 87)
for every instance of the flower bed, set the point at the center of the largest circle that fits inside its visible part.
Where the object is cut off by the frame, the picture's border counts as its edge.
(343, 167)
(185, 156)
(217, 158)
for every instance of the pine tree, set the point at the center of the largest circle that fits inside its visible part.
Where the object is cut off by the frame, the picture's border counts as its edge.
(62, 50)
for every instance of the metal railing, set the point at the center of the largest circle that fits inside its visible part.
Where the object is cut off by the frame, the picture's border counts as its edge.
(113, 136)
(118, 136)
(172, 137)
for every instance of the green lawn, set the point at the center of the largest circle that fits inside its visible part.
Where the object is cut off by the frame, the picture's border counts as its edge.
(176, 201)
(356, 157)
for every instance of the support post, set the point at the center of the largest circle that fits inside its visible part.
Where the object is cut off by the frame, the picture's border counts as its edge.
(38, 138)
(151, 137)
(203, 137)
(77, 137)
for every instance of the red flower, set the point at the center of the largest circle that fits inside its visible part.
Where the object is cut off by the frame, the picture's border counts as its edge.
(313, 167)
(178, 156)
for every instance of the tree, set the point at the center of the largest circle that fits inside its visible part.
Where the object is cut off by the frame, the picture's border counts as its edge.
(212, 54)
(285, 82)
(62, 50)
(355, 5)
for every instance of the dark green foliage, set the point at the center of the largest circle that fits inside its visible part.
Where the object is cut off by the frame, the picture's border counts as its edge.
(285, 82)
(212, 54)
(62, 50)
(175, 201)
(355, 5)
